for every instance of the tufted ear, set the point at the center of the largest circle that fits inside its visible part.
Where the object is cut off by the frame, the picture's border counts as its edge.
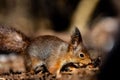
(76, 38)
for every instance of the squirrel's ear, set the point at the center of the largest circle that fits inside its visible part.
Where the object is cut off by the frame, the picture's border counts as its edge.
(76, 38)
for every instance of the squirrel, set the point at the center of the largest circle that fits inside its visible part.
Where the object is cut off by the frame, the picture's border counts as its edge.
(47, 50)
(53, 52)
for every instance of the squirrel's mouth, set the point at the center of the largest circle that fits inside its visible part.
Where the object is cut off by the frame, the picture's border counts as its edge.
(85, 65)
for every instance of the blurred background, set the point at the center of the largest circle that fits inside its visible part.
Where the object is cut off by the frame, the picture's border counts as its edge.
(98, 21)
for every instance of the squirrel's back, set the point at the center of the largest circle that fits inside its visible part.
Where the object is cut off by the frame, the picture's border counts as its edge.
(45, 46)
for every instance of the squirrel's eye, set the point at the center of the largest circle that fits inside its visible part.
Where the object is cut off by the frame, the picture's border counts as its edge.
(81, 55)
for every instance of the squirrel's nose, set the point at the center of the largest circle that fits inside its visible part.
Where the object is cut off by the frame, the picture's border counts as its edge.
(89, 61)
(86, 61)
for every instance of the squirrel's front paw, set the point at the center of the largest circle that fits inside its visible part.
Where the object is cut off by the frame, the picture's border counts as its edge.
(40, 68)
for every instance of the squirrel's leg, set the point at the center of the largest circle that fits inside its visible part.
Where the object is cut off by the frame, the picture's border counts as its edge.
(55, 69)
(37, 65)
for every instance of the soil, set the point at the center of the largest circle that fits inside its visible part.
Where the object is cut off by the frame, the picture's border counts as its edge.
(80, 75)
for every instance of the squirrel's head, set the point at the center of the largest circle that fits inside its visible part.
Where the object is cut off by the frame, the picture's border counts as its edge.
(77, 50)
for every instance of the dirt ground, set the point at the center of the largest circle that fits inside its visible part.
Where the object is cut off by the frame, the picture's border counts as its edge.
(80, 75)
